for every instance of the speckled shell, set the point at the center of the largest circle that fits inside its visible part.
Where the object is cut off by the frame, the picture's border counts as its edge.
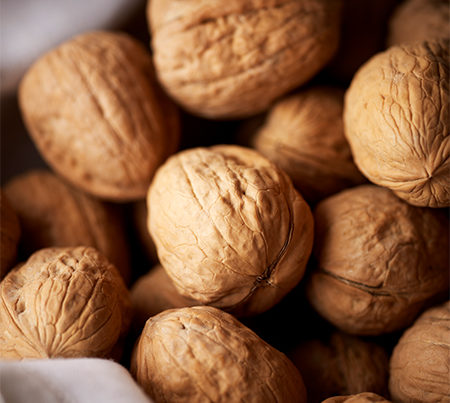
(62, 302)
(420, 362)
(96, 114)
(365, 397)
(396, 119)
(304, 135)
(379, 260)
(202, 354)
(52, 213)
(229, 227)
(418, 21)
(232, 58)
(9, 235)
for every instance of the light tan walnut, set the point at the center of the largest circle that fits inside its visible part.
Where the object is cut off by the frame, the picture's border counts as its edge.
(418, 21)
(341, 365)
(379, 260)
(202, 354)
(9, 235)
(396, 119)
(420, 362)
(62, 302)
(52, 213)
(229, 227)
(365, 397)
(233, 58)
(95, 112)
(304, 135)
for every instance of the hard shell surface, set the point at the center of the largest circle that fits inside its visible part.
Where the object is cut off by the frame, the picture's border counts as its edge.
(365, 397)
(232, 58)
(9, 235)
(230, 229)
(420, 362)
(62, 302)
(96, 95)
(396, 119)
(379, 260)
(202, 354)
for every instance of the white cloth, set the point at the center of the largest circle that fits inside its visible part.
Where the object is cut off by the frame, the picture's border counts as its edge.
(78, 380)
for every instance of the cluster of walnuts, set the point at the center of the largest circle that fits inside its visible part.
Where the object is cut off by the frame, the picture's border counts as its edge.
(344, 187)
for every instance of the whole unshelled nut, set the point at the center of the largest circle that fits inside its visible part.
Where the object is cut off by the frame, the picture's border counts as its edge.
(229, 228)
(365, 397)
(9, 235)
(202, 354)
(95, 111)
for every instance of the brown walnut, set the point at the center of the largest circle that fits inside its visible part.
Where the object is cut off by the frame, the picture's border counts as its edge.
(365, 397)
(96, 114)
(202, 354)
(229, 227)
(380, 260)
(62, 302)
(233, 58)
(396, 119)
(420, 362)
(304, 135)
(9, 235)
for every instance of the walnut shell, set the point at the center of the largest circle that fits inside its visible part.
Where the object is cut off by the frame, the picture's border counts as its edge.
(380, 260)
(9, 235)
(365, 397)
(227, 59)
(153, 293)
(53, 213)
(96, 114)
(62, 302)
(396, 119)
(420, 362)
(202, 354)
(418, 21)
(304, 135)
(343, 365)
(229, 228)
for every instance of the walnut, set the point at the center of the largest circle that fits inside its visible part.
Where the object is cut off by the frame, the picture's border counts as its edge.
(365, 397)
(229, 228)
(380, 260)
(96, 114)
(342, 365)
(62, 302)
(228, 59)
(153, 293)
(419, 20)
(9, 235)
(396, 118)
(304, 136)
(420, 361)
(53, 213)
(202, 354)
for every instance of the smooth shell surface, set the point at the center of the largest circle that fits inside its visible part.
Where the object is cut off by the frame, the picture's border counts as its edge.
(379, 260)
(420, 362)
(231, 58)
(9, 235)
(96, 114)
(396, 119)
(229, 227)
(202, 354)
(62, 302)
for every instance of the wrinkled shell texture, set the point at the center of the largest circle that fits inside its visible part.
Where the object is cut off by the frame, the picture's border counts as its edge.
(365, 397)
(229, 227)
(53, 213)
(96, 95)
(396, 120)
(232, 58)
(62, 302)
(380, 260)
(9, 235)
(420, 363)
(342, 366)
(180, 351)
(419, 20)
(304, 135)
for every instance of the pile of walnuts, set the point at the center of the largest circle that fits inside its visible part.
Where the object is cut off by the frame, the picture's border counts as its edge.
(322, 221)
